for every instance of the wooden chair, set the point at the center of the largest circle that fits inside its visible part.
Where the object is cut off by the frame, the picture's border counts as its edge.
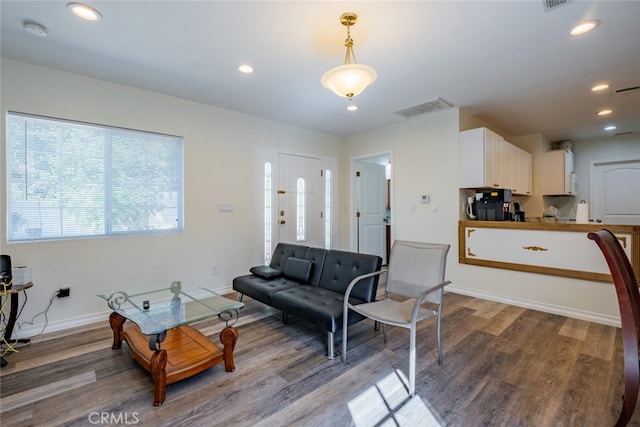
(629, 302)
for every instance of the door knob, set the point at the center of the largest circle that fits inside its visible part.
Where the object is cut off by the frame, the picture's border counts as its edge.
(282, 221)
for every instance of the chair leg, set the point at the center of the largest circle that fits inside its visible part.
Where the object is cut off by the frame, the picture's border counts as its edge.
(331, 354)
(439, 322)
(376, 326)
(631, 378)
(344, 341)
(285, 318)
(384, 332)
(412, 361)
(240, 295)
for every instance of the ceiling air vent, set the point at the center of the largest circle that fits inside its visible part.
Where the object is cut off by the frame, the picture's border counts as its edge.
(425, 107)
(552, 4)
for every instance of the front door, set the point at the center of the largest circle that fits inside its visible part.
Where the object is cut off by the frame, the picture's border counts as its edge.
(615, 192)
(300, 201)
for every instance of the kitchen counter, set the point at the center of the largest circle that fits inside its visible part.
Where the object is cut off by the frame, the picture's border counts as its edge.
(559, 249)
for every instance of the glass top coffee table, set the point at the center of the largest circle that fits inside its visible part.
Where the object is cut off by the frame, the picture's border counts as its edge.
(161, 339)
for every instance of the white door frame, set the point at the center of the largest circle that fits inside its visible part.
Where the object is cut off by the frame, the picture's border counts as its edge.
(354, 195)
(264, 154)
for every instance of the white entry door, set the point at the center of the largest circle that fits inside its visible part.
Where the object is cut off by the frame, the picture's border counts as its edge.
(300, 201)
(371, 189)
(615, 192)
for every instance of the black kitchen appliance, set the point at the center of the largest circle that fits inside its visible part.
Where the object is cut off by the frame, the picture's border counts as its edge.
(492, 205)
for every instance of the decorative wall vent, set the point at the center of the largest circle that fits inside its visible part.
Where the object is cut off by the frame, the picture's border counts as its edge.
(425, 107)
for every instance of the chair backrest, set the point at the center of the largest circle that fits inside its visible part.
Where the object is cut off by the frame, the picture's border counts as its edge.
(415, 267)
(624, 280)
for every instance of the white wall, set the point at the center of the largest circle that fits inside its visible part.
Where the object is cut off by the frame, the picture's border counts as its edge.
(219, 148)
(425, 151)
(589, 151)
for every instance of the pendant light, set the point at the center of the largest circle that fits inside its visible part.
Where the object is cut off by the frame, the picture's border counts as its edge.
(351, 78)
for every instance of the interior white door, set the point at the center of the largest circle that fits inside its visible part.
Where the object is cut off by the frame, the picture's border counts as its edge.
(615, 192)
(371, 205)
(300, 203)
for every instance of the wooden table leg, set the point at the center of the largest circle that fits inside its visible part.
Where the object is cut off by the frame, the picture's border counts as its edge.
(229, 337)
(116, 321)
(158, 365)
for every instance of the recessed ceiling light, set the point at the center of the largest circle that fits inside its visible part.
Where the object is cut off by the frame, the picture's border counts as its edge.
(85, 12)
(584, 27)
(35, 29)
(601, 86)
(611, 127)
(604, 112)
(245, 69)
(352, 107)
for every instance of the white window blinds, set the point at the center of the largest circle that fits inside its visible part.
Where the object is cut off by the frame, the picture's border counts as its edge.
(68, 179)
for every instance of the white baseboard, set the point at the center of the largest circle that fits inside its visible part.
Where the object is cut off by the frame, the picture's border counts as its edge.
(536, 305)
(102, 316)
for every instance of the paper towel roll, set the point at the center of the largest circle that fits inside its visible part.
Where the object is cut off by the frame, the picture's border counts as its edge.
(582, 213)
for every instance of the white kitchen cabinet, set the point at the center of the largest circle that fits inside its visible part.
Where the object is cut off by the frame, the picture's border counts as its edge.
(517, 168)
(487, 160)
(557, 173)
(481, 159)
(523, 173)
(510, 165)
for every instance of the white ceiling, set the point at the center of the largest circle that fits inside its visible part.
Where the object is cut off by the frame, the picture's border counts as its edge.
(510, 63)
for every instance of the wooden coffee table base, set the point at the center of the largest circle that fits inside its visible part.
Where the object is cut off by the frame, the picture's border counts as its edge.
(184, 352)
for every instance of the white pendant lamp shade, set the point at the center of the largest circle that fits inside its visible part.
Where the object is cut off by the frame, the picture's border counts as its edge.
(349, 80)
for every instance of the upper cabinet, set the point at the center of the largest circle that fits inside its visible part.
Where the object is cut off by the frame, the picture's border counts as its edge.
(487, 160)
(557, 173)
(517, 166)
(481, 159)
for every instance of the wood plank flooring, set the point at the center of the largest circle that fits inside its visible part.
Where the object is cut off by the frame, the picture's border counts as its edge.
(503, 366)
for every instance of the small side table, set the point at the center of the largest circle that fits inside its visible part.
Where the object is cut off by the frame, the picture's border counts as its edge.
(13, 294)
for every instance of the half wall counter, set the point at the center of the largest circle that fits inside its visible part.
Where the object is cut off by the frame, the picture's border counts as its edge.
(559, 249)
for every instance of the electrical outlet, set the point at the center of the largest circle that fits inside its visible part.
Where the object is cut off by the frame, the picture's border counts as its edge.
(64, 292)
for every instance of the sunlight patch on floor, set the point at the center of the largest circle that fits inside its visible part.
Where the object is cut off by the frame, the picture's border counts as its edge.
(387, 403)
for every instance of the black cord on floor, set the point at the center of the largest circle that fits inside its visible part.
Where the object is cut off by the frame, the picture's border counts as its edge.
(45, 312)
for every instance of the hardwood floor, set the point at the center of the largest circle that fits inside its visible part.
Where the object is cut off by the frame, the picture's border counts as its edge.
(503, 366)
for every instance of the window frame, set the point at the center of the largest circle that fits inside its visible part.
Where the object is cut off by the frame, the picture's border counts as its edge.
(113, 135)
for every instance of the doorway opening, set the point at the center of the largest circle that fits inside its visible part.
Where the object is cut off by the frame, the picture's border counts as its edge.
(371, 180)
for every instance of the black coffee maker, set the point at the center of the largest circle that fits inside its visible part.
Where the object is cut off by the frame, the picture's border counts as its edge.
(493, 205)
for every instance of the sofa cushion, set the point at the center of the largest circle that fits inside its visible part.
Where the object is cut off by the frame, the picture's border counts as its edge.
(261, 289)
(266, 272)
(341, 267)
(320, 306)
(298, 270)
(317, 257)
(284, 251)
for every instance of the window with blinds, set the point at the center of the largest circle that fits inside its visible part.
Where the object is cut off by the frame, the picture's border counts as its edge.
(69, 180)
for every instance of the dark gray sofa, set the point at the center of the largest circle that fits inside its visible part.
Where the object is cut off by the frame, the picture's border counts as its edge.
(310, 283)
